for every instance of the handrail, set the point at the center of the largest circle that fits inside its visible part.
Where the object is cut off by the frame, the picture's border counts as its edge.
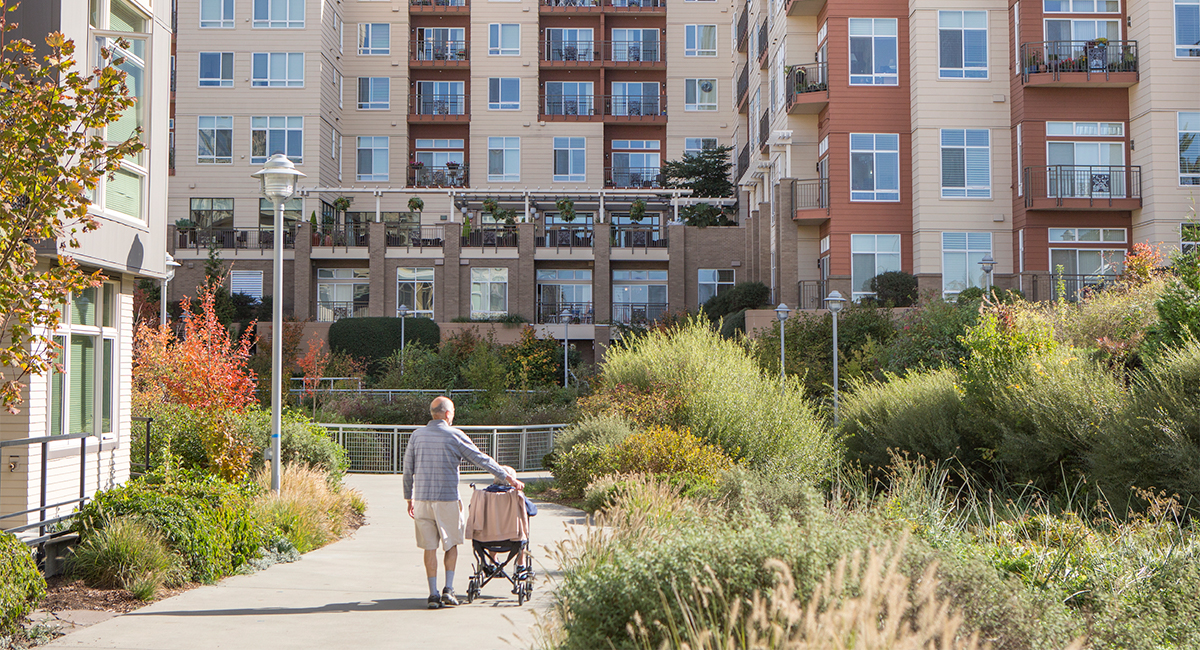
(1094, 57)
(380, 448)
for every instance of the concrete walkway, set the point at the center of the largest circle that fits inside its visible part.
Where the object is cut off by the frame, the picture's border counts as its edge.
(366, 591)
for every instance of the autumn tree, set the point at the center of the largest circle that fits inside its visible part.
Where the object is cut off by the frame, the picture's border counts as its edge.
(53, 154)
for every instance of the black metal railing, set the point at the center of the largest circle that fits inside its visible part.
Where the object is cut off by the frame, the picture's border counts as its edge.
(351, 235)
(764, 130)
(1096, 57)
(448, 176)
(552, 312)
(807, 78)
(329, 311)
(411, 235)
(638, 312)
(762, 43)
(743, 86)
(569, 105)
(1091, 182)
(811, 193)
(570, 3)
(422, 50)
(811, 294)
(45, 516)
(1071, 287)
(439, 3)
(434, 104)
(491, 237)
(631, 51)
(743, 30)
(650, 177)
(743, 162)
(635, 105)
(637, 4)
(569, 237)
(638, 237)
(584, 51)
(233, 238)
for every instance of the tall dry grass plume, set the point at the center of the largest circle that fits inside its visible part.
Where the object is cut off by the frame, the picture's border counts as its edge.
(308, 511)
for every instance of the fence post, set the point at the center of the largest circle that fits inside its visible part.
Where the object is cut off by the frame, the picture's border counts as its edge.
(524, 440)
(495, 443)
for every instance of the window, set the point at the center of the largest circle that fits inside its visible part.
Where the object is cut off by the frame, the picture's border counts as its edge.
(372, 158)
(1081, 6)
(961, 254)
(1085, 262)
(873, 54)
(962, 44)
(1093, 235)
(700, 94)
(337, 86)
(1189, 237)
(489, 292)
(1063, 31)
(570, 98)
(214, 142)
(293, 211)
(1189, 148)
(1086, 169)
(441, 98)
(278, 70)
(635, 45)
(569, 45)
(712, 282)
(700, 40)
(442, 44)
(83, 394)
(871, 255)
(639, 296)
(570, 160)
(216, 14)
(874, 167)
(337, 152)
(504, 93)
(504, 39)
(635, 98)
(342, 293)
(276, 134)
(693, 146)
(414, 289)
(374, 93)
(211, 213)
(504, 159)
(123, 193)
(637, 165)
(279, 13)
(1187, 28)
(966, 164)
(249, 283)
(1114, 129)
(374, 38)
(564, 289)
(216, 69)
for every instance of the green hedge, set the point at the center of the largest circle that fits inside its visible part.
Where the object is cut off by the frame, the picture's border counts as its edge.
(22, 586)
(743, 295)
(376, 339)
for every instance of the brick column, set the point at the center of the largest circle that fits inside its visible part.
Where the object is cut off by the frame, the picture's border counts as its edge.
(676, 268)
(302, 273)
(602, 275)
(449, 286)
(523, 288)
(377, 263)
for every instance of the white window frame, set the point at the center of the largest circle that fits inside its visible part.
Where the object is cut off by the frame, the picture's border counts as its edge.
(694, 87)
(482, 280)
(696, 146)
(373, 145)
(1189, 237)
(336, 151)
(422, 278)
(220, 81)
(499, 93)
(271, 21)
(103, 328)
(329, 279)
(575, 148)
(879, 32)
(876, 153)
(367, 36)
(509, 147)
(1080, 6)
(270, 124)
(692, 37)
(214, 124)
(374, 86)
(711, 279)
(1189, 178)
(271, 60)
(1092, 235)
(862, 245)
(976, 163)
(945, 24)
(1186, 50)
(224, 10)
(963, 250)
(499, 34)
(107, 196)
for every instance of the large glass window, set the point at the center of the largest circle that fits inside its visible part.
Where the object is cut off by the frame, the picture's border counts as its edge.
(293, 211)
(712, 282)
(278, 70)
(639, 296)
(874, 167)
(1189, 148)
(504, 93)
(211, 213)
(693, 146)
(124, 192)
(374, 38)
(871, 255)
(635, 163)
(441, 98)
(374, 93)
(342, 293)
(570, 98)
(279, 13)
(699, 94)
(1085, 169)
(699, 40)
(961, 254)
(83, 388)
(504, 39)
(372, 158)
(570, 160)
(966, 164)
(1082, 6)
(962, 45)
(635, 98)
(443, 43)
(1080, 30)
(276, 134)
(216, 69)
(216, 13)
(504, 159)
(489, 292)
(564, 44)
(635, 45)
(873, 53)
(214, 139)
(414, 288)
(564, 289)
(1187, 28)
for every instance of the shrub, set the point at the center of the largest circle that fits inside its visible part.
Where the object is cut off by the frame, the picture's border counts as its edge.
(423, 368)
(672, 452)
(301, 442)
(605, 430)
(895, 288)
(377, 338)
(742, 491)
(928, 337)
(485, 371)
(22, 586)
(809, 344)
(574, 470)
(126, 554)
(734, 324)
(973, 296)
(532, 360)
(1178, 306)
(310, 511)
(739, 297)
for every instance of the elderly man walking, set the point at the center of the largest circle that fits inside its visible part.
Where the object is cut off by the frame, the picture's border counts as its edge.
(431, 488)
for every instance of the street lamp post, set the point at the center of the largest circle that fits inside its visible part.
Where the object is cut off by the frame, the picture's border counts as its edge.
(403, 311)
(566, 320)
(166, 283)
(278, 178)
(782, 312)
(835, 302)
(987, 263)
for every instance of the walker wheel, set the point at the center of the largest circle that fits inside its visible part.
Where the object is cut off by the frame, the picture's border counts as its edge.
(520, 595)
(472, 589)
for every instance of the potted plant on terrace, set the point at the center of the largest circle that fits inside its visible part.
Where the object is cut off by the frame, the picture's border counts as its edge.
(566, 209)
(637, 210)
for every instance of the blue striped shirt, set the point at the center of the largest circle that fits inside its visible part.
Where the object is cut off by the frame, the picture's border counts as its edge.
(432, 458)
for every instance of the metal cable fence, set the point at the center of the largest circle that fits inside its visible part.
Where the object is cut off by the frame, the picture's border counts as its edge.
(379, 448)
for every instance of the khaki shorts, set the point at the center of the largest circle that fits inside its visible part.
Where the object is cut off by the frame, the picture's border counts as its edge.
(439, 521)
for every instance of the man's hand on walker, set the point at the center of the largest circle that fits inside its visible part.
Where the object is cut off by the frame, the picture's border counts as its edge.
(512, 480)
(411, 513)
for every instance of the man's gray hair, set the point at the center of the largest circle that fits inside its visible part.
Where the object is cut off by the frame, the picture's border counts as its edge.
(440, 405)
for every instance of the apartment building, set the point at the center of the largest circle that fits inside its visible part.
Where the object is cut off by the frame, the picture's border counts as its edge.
(475, 107)
(922, 136)
(73, 433)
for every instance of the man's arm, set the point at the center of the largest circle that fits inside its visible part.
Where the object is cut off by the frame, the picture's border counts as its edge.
(468, 450)
(409, 466)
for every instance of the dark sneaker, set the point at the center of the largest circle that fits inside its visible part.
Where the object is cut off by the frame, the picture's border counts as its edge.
(448, 598)
(435, 602)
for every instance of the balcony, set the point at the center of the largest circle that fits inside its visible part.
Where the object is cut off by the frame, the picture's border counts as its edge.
(635, 108)
(1071, 287)
(632, 54)
(808, 88)
(743, 31)
(491, 237)
(1080, 64)
(566, 238)
(262, 239)
(448, 176)
(569, 54)
(762, 46)
(638, 237)
(743, 163)
(764, 131)
(804, 7)
(411, 235)
(569, 108)
(439, 6)
(812, 294)
(570, 6)
(438, 108)
(551, 313)
(351, 235)
(1080, 187)
(439, 54)
(651, 7)
(743, 89)
(638, 313)
(810, 200)
(633, 177)
(329, 311)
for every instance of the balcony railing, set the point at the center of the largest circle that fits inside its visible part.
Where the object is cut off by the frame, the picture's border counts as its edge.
(1096, 57)
(810, 194)
(638, 312)
(635, 105)
(349, 235)
(743, 162)
(762, 43)
(764, 130)
(491, 237)
(1068, 286)
(438, 176)
(566, 237)
(643, 4)
(551, 312)
(638, 237)
(584, 51)
(425, 104)
(631, 51)
(807, 78)
(440, 51)
(743, 30)
(439, 3)
(411, 235)
(333, 310)
(1091, 182)
(812, 294)
(569, 105)
(743, 86)
(646, 177)
(233, 238)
